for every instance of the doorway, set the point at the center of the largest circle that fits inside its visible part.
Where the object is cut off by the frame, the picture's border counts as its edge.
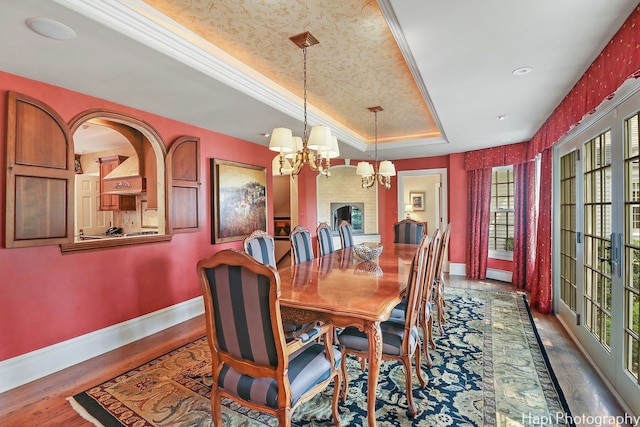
(429, 184)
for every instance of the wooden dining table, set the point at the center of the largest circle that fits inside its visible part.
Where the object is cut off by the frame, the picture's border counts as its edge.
(346, 291)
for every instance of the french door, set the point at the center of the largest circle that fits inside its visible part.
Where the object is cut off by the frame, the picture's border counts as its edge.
(597, 279)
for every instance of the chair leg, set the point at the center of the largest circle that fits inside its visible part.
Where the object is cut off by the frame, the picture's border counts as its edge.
(345, 378)
(430, 327)
(413, 411)
(441, 305)
(426, 333)
(417, 351)
(216, 407)
(337, 386)
(363, 363)
(284, 417)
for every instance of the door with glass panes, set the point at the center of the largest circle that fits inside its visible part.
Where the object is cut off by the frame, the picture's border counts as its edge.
(597, 282)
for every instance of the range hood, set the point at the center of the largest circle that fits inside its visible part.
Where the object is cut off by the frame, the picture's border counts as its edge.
(125, 179)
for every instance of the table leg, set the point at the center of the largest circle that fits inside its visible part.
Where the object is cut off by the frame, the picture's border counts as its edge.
(375, 359)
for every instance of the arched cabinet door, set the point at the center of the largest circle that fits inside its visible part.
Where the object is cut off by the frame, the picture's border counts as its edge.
(183, 185)
(40, 175)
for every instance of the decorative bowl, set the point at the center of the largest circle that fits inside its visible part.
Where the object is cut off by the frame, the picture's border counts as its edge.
(368, 251)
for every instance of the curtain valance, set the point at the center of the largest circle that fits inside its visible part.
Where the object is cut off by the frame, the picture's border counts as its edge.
(497, 156)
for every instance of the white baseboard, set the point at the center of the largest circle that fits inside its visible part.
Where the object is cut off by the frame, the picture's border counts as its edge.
(503, 276)
(28, 367)
(457, 269)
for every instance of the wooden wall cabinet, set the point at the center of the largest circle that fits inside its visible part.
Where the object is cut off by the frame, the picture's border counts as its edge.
(113, 202)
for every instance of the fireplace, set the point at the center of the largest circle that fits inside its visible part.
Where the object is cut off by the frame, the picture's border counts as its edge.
(351, 212)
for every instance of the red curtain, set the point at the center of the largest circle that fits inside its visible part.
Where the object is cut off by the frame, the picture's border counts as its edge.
(525, 225)
(541, 291)
(479, 191)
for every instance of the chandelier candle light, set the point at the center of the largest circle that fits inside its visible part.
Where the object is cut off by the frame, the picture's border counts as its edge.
(383, 171)
(316, 149)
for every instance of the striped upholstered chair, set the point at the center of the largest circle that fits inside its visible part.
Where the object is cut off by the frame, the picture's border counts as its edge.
(261, 246)
(425, 315)
(301, 247)
(438, 290)
(408, 231)
(325, 239)
(400, 336)
(251, 362)
(346, 234)
(425, 319)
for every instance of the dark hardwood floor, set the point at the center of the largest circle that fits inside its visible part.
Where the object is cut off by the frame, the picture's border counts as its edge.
(43, 402)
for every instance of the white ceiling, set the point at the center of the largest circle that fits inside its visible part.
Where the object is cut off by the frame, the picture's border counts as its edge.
(461, 54)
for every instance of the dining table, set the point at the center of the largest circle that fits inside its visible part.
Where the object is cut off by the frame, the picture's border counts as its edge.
(344, 290)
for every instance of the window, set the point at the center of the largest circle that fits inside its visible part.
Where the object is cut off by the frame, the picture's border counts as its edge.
(502, 214)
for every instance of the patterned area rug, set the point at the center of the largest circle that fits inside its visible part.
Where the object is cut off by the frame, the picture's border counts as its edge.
(489, 369)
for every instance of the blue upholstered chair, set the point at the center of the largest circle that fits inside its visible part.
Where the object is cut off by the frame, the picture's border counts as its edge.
(325, 239)
(261, 247)
(345, 230)
(400, 336)
(301, 246)
(251, 362)
(438, 290)
(425, 317)
(408, 231)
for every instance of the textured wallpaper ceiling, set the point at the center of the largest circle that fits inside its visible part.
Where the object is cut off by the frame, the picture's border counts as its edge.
(356, 65)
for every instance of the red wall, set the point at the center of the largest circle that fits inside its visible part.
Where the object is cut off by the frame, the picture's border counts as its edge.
(458, 208)
(47, 298)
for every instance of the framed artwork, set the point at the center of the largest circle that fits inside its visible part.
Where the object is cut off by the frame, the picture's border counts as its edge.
(239, 200)
(282, 228)
(417, 201)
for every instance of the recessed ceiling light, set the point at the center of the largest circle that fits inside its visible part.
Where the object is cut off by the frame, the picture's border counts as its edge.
(501, 117)
(50, 28)
(521, 71)
(266, 134)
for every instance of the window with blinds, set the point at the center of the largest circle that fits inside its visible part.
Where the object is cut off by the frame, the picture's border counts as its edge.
(502, 213)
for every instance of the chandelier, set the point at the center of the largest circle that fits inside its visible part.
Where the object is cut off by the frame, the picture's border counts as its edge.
(315, 149)
(383, 171)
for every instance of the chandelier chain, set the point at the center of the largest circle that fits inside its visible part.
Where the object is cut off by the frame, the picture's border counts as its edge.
(375, 127)
(317, 146)
(304, 79)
